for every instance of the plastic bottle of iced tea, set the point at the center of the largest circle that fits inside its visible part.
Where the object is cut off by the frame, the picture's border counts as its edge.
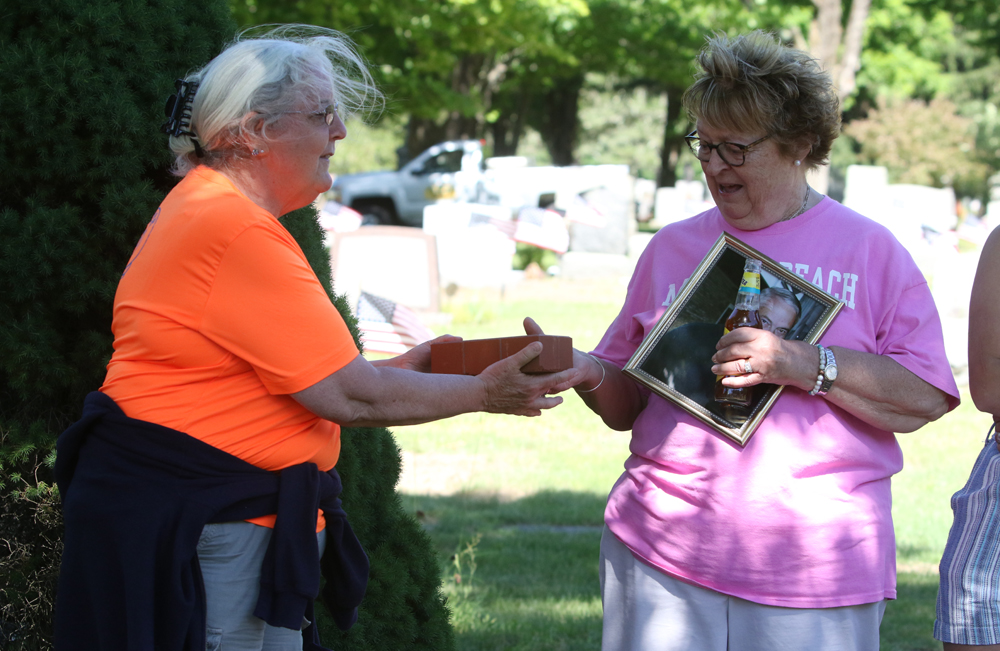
(746, 314)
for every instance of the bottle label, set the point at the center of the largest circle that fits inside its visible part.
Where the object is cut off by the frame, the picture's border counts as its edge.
(750, 283)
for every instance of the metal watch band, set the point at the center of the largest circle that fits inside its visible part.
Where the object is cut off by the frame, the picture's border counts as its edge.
(828, 377)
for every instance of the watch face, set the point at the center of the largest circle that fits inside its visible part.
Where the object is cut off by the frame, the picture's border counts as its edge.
(830, 373)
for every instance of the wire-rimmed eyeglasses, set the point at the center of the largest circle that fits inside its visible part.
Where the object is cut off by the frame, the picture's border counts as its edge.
(734, 154)
(327, 113)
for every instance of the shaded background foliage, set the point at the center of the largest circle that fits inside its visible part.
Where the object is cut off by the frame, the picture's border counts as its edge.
(82, 167)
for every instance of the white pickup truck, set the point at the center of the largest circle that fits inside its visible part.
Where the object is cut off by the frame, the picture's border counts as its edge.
(447, 170)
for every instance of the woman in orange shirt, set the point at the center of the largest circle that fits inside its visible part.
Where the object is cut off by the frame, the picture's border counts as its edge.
(224, 333)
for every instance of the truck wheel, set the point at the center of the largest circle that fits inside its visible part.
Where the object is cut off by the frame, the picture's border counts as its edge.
(374, 215)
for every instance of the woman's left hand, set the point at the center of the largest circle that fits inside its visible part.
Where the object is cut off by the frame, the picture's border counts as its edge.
(771, 359)
(875, 388)
(417, 358)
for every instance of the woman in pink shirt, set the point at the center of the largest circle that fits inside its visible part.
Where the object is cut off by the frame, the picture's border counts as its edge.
(786, 543)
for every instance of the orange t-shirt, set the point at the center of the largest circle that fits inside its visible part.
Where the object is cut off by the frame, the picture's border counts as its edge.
(217, 318)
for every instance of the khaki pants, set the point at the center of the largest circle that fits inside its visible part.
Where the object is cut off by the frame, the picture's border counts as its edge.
(230, 554)
(648, 610)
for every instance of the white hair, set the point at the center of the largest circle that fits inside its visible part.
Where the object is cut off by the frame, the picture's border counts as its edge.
(244, 89)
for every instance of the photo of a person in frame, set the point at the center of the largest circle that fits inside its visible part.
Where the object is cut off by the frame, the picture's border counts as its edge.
(682, 359)
(779, 310)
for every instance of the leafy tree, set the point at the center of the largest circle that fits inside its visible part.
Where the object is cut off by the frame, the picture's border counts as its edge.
(921, 143)
(981, 19)
(916, 50)
(656, 45)
(441, 63)
(620, 126)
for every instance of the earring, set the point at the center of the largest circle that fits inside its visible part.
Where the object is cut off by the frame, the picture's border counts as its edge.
(797, 163)
(258, 152)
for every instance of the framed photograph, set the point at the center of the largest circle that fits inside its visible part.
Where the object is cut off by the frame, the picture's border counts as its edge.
(675, 359)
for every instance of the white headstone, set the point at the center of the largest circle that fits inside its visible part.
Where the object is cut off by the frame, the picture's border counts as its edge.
(394, 262)
(668, 208)
(474, 248)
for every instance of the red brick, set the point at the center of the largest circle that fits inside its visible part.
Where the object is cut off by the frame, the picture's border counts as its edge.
(473, 356)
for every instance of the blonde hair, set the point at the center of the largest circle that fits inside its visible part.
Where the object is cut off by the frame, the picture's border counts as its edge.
(243, 90)
(752, 83)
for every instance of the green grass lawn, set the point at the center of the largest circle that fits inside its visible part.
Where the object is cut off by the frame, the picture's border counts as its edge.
(514, 506)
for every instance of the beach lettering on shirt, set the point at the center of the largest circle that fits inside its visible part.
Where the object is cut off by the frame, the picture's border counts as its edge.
(842, 285)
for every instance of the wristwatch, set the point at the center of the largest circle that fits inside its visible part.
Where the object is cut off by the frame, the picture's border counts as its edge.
(828, 371)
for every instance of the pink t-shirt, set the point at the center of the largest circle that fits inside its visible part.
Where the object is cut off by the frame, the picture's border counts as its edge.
(800, 517)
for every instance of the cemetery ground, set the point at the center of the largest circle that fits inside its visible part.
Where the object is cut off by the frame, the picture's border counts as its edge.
(514, 506)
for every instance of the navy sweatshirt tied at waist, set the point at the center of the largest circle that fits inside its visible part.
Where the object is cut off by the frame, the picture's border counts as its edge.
(136, 496)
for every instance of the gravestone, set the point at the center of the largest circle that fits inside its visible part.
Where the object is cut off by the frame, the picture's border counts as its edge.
(867, 192)
(930, 207)
(474, 245)
(608, 189)
(685, 199)
(668, 207)
(394, 262)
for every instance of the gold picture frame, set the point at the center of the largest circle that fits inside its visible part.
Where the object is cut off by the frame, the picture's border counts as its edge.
(674, 359)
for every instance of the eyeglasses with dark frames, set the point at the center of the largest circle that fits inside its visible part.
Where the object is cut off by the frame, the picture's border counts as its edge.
(734, 154)
(327, 113)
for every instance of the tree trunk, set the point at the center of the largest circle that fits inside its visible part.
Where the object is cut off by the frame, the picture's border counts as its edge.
(509, 127)
(839, 52)
(464, 78)
(850, 62)
(673, 144)
(560, 119)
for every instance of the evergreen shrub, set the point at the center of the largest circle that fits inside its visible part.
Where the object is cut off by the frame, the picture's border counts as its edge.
(82, 168)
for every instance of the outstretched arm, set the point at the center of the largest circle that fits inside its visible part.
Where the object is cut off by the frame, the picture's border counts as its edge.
(390, 392)
(604, 388)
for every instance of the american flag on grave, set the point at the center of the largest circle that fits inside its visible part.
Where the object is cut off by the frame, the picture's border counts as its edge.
(582, 211)
(505, 226)
(542, 227)
(388, 327)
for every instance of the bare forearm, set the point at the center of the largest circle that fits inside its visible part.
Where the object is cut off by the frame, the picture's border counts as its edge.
(402, 401)
(875, 388)
(881, 392)
(395, 396)
(362, 394)
(616, 398)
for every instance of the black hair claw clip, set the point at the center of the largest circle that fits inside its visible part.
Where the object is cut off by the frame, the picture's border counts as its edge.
(178, 112)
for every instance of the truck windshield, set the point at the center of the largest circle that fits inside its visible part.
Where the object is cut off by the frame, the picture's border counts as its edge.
(446, 161)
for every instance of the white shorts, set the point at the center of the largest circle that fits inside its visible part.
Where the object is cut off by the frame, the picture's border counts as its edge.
(648, 610)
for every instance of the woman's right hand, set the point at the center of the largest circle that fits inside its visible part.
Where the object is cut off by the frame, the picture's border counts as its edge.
(602, 386)
(590, 369)
(511, 391)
